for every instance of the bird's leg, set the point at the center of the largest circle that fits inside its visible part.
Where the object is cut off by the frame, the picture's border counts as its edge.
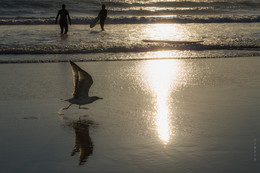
(67, 107)
(82, 108)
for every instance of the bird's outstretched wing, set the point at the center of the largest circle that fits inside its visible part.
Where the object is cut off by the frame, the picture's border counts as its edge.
(82, 81)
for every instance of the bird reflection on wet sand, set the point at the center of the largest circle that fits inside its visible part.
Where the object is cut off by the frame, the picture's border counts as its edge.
(82, 143)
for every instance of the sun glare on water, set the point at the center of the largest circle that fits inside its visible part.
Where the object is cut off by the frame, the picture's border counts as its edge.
(163, 32)
(161, 77)
(157, 34)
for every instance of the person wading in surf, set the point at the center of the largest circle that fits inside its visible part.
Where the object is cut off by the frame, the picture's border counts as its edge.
(64, 14)
(103, 15)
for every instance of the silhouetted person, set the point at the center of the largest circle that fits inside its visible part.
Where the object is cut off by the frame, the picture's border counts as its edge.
(64, 14)
(103, 15)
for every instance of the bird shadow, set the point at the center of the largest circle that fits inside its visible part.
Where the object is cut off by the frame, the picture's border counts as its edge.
(83, 144)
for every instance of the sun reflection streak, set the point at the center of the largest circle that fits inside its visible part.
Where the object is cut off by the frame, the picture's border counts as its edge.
(161, 78)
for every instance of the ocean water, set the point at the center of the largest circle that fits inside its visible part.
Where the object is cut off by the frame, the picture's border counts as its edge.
(227, 29)
(132, 9)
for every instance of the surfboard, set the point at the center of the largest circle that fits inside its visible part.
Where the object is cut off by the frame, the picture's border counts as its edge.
(172, 42)
(94, 22)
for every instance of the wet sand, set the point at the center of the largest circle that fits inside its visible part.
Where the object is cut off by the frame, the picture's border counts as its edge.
(178, 115)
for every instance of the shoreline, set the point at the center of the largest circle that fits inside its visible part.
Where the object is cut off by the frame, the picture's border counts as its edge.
(105, 60)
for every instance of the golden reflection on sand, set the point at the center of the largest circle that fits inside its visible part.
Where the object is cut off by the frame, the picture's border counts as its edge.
(161, 77)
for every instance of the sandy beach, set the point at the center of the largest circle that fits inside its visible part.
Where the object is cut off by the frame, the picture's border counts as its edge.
(199, 115)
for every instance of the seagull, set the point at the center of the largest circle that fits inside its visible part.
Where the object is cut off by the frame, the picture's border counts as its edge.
(82, 83)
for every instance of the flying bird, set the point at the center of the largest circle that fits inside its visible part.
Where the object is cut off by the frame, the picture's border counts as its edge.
(82, 83)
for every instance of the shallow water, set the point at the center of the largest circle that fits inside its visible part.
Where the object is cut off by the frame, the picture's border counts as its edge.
(124, 42)
(156, 116)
